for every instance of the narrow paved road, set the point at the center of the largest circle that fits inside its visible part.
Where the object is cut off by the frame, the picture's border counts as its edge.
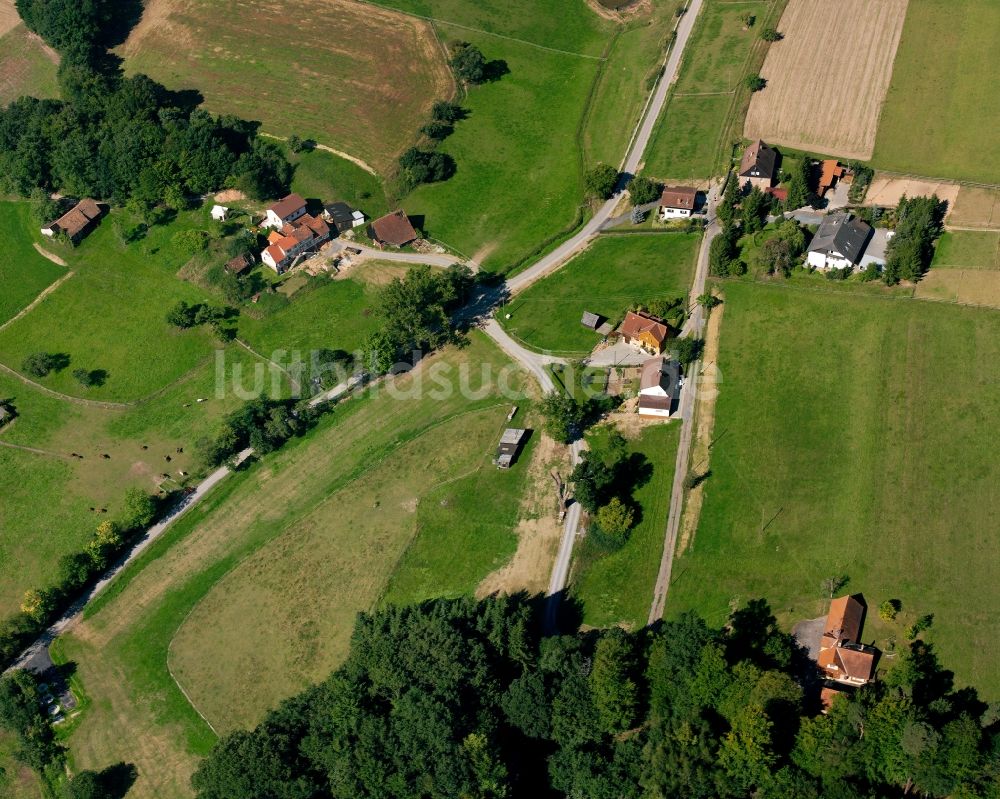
(535, 362)
(580, 240)
(693, 327)
(35, 654)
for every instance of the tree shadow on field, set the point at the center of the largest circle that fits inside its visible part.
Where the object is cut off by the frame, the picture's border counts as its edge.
(118, 779)
(494, 70)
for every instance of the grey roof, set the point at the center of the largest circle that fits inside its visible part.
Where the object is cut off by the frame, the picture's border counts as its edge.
(875, 252)
(510, 443)
(843, 235)
(341, 213)
(590, 320)
(660, 372)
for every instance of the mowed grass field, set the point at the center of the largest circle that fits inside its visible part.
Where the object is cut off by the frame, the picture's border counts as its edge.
(614, 272)
(23, 272)
(634, 59)
(354, 77)
(692, 132)
(322, 176)
(966, 269)
(519, 176)
(110, 315)
(849, 441)
(828, 77)
(306, 587)
(27, 65)
(941, 108)
(617, 587)
(568, 25)
(47, 495)
(138, 713)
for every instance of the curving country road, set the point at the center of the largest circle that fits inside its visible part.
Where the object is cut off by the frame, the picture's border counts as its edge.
(535, 362)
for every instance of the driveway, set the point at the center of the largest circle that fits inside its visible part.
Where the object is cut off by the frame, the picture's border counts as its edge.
(620, 354)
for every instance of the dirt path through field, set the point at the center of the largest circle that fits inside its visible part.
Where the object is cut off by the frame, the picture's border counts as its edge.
(704, 427)
(38, 300)
(51, 256)
(828, 77)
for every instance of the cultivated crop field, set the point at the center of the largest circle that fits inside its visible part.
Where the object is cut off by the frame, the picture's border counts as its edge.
(122, 646)
(354, 77)
(849, 442)
(694, 125)
(941, 108)
(828, 77)
(614, 272)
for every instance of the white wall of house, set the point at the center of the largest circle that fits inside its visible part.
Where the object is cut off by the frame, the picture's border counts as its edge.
(275, 221)
(818, 260)
(666, 212)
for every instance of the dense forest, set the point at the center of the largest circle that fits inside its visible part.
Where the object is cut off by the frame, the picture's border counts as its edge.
(119, 138)
(466, 699)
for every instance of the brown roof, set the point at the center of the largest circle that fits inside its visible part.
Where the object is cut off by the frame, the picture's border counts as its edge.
(857, 664)
(636, 323)
(843, 622)
(679, 197)
(77, 218)
(831, 171)
(394, 229)
(277, 254)
(655, 373)
(655, 403)
(758, 161)
(288, 205)
(240, 264)
(826, 697)
(315, 224)
(778, 192)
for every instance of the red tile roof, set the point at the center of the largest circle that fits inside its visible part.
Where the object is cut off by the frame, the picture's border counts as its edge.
(679, 197)
(77, 218)
(636, 323)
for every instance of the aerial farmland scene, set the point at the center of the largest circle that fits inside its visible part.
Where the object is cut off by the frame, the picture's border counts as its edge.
(485, 399)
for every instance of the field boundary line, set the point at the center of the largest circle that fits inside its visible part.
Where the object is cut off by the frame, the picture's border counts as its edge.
(397, 445)
(327, 149)
(114, 406)
(296, 386)
(704, 94)
(38, 300)
(929, 179)
(480, 30)
(32, 450)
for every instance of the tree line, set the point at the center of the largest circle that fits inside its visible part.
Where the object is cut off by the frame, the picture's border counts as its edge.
(75, 570)
(121, 138)
(457, 698)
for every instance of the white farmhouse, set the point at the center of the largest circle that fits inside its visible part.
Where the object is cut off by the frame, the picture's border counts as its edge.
(658, 387)
(677, 202)
(286, 210)
(839, 243)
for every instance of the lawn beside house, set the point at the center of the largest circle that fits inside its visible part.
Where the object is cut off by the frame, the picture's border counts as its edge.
(856, 421)
(617, 587)
(23, 272)
(614, 272)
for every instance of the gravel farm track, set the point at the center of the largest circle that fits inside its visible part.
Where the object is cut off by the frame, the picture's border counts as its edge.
(827, 78)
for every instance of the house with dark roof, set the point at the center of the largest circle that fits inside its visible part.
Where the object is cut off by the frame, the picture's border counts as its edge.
(839, 242)
(76, 222)
(645, 332)
(659, 384)
(511, 441)
(677, 202)
(343, 217)
(286, 210)
(758, 166)
(392, 229)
